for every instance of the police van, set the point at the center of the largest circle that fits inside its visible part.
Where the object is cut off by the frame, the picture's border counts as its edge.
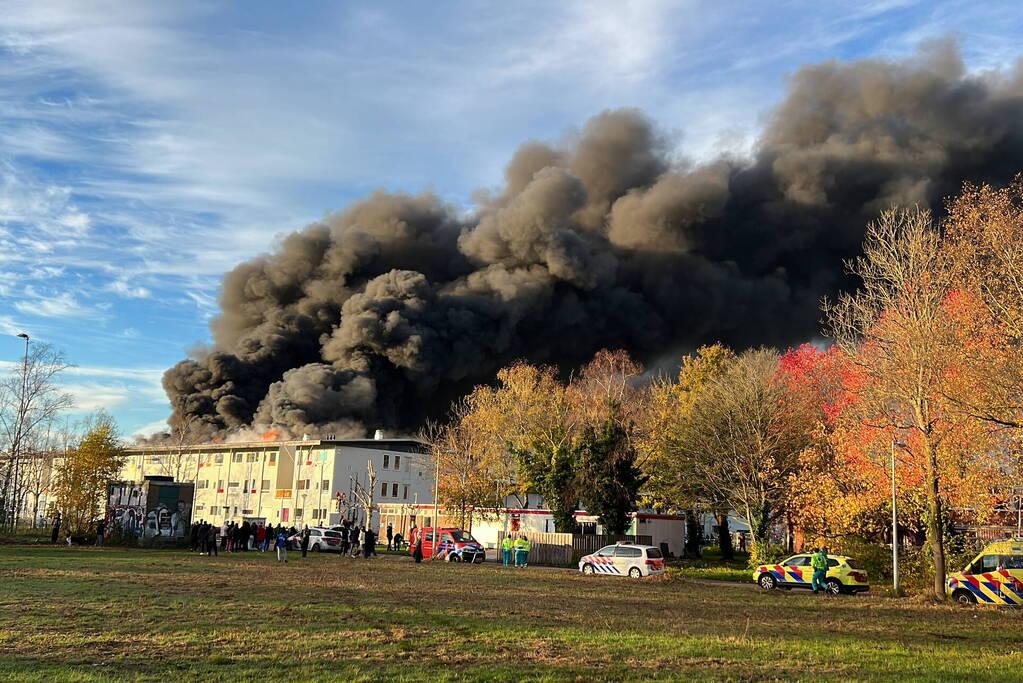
(994, 577)
(624, 559)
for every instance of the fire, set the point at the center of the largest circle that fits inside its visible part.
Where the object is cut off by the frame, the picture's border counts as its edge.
(270, 435)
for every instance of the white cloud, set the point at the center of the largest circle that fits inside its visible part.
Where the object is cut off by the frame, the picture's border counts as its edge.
(152, 428)
(62, 305)
(122, 288)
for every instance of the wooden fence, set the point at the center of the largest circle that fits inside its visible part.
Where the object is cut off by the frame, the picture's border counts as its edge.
(564, 549)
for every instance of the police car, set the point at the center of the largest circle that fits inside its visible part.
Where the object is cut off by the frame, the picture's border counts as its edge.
(994, 577)
(624, 559)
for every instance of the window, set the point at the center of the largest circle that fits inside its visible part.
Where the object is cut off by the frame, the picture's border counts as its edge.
(250, 457)
(200, 507)
(245, 485)
(236, 457)
(298, 513)
(325, 484)
(405, 494)
(985, 564)
(832, 563)
(232, 484)
(625, 551)
(387, 460)
(383, 490)
(219, 458)
(797, 561)
(303, 484)
(273, 458)
(265, 485)
(220, 484)
(394, 490)
(205, 483)
(606, 551)
(653, 553)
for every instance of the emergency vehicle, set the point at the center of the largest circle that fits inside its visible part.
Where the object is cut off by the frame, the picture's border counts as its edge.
(796, 572)
(455, 545)
(994, 577)
(624, 559)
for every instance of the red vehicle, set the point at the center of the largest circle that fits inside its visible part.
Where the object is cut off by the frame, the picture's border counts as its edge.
(454, 545)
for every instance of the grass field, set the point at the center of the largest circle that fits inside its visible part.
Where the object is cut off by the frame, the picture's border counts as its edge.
(105, 614)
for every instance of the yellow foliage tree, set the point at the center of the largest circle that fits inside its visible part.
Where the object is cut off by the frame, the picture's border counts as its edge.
(84, 474)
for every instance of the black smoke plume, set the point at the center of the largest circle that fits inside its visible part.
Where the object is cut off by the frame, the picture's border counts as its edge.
(382, 313)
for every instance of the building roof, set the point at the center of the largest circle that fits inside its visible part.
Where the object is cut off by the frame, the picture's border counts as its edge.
(401, 445)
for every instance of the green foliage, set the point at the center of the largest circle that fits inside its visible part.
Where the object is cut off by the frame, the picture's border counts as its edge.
(609, 478)
(550, 468)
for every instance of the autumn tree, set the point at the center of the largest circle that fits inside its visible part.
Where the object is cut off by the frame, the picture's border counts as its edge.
(471, 472)
(896, 330)
(85, 472)
(670, 484)
(742, 439)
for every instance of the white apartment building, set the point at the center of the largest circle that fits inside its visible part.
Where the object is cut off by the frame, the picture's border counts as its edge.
(312, 482)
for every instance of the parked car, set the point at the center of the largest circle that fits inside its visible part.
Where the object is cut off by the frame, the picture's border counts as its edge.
(454, 545)
(843, 576)
(624, 559)
(320, 539)
(993, 577)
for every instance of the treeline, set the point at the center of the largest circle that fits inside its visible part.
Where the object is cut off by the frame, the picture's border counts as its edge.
(924, 361)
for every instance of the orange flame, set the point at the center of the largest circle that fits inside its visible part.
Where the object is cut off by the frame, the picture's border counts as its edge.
(270, 435)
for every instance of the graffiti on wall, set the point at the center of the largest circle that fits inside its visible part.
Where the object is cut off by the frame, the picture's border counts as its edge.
(126, 508)
(168, 510)
(150, 510)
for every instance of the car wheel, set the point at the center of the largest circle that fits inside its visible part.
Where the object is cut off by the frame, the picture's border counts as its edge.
(834, 586)
(588, 570)
(316, 548)
(636, 572)
(767, 582)
(964, 597)
(454, 558)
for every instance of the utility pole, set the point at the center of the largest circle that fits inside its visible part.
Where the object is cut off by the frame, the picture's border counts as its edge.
(895, 526)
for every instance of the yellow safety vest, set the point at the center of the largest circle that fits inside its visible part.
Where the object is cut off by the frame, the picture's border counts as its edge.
(522, 544)
(507, 543)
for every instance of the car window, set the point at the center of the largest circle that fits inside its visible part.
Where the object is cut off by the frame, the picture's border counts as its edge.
(653, 553)
(625, 551)
(985, 564)
(852, 564)
(332, 534)
(314, 532)
(606, 551)
(797, 561)
(463, 537)
(1012, 561)
(832, 563)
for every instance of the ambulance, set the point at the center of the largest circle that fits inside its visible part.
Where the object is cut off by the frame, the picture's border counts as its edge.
(994, 577)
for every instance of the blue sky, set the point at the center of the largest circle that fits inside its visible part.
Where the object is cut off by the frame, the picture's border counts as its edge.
(147, 147)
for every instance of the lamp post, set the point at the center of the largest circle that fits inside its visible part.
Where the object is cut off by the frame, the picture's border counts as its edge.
(895, 524)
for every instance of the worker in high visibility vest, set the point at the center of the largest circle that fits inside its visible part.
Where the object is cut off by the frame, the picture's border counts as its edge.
(506, 550)
(521, 551)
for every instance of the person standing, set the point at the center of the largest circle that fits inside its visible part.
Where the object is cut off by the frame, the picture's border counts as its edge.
(521, 551)
(260, 536)
(506, 550)
(211, 539)
(281, 544)
(193, 537)
(417, 548)
(354, 538)
(819, 562)
(55, 534)
(390, 535)
(101, 528)
(371, 543)
(304, 540)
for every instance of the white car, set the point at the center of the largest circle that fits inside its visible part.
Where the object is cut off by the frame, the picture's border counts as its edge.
(624, 559)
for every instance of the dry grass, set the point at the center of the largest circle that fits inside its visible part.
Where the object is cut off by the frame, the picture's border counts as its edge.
(90, 614)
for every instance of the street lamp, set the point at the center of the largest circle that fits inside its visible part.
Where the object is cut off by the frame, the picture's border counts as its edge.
(895, 523)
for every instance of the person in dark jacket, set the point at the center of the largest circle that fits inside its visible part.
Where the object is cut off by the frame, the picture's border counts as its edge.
(211, 539)
(101, 528)
(345, 543)
(304, 540)
(55, 534)
(368, 543)
(390, 535)
(353, 540)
